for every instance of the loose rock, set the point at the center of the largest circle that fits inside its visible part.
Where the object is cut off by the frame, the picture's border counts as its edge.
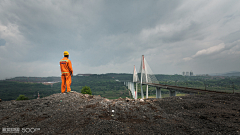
(83, 114)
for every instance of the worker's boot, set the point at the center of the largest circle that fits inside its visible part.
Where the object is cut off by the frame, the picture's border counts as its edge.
(63, 93)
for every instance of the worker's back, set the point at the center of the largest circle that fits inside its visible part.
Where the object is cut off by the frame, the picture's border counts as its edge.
(66, 65)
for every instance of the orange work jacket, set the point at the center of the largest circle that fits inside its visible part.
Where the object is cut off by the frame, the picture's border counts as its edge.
(66, 66)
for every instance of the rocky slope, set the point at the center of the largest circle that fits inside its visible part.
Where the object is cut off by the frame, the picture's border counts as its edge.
(75, 113)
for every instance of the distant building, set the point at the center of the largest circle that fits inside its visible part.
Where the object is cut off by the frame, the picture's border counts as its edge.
(183, 73)
(187, 73)
(202, 75)
(84, 74)
(191, 73)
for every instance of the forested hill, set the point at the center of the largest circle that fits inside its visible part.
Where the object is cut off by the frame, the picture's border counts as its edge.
(119, 76)
(108, 85)
(105, 85)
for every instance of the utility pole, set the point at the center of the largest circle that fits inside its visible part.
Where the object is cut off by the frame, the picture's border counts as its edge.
(205, 84)
(38, 96)
(233, 87)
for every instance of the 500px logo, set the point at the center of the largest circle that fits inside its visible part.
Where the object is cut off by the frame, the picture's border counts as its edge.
(29, 130)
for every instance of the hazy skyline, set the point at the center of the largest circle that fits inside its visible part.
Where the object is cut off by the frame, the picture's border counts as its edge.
(106, 36)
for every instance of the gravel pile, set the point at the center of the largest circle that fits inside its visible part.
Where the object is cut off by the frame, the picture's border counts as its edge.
(75, 113)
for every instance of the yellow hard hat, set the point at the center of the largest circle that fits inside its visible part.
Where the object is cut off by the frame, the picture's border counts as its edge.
(65, 53)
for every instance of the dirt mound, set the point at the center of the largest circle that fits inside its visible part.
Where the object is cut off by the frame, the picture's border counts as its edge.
(75, 113)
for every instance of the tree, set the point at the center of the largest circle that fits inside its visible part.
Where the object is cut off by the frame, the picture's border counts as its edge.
(22, 97)
(86, 90)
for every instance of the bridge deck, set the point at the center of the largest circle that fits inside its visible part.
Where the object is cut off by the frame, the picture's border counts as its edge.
(183, 89)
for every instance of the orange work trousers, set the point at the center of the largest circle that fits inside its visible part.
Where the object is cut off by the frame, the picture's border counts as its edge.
(66, 82)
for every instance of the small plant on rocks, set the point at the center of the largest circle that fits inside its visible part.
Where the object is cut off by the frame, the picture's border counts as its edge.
(86, 90)
(22, 97)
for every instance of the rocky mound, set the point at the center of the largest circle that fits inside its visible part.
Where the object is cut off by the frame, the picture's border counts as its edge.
(75, 113)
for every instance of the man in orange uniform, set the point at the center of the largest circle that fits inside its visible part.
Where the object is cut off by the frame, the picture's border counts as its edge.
(67, 72)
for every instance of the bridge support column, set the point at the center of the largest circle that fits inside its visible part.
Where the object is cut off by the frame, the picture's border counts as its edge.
(172, 93)
(142, 92)
(147, 91)
(136, 92)
(158, 92)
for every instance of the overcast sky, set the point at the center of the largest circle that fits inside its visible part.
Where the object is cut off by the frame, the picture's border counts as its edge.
(109, 36)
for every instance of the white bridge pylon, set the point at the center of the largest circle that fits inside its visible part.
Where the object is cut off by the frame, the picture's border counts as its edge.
(147, 76)
(135, 79)
(130, 85)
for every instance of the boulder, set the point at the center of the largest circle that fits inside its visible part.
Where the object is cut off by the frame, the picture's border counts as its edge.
(91, 96)
(127, 99)
(106, 100)
(86, 95)
(155, 100)
(147, 100)
(113, 103)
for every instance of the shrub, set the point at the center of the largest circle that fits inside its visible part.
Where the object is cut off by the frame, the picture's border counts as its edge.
(22, 97)
(86, 90)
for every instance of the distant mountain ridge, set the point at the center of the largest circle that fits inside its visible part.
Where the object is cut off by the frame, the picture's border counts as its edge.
(232, 73)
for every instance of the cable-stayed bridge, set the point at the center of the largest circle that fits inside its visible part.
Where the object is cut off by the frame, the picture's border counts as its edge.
(148, 78)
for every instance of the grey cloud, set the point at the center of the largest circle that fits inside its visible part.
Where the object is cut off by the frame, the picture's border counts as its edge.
(116, 33)
(132, 16)
(189, 32)
(2, 42)
(234, 36)
(55, 29)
